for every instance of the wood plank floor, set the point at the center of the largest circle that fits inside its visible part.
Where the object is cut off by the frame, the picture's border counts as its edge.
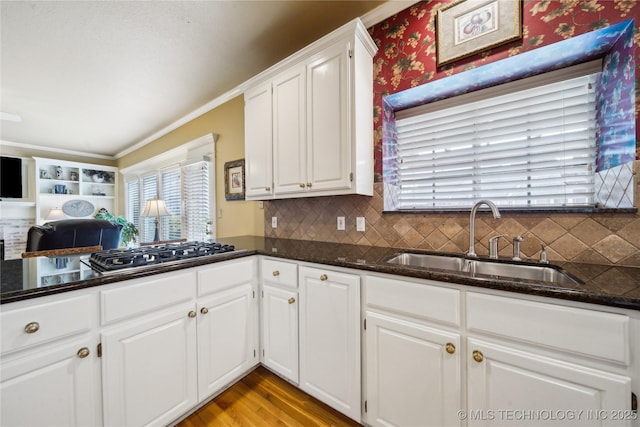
(264, 399)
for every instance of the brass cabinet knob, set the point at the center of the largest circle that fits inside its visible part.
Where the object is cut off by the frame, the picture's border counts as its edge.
(276, 273)
(32, 328)
(83, 352)
(291, 300)
(450, 348)
(204, 310)
(192, 314)
(302, 185)
(309, 184)
(478, 356)
(267, 189)
(324, 277)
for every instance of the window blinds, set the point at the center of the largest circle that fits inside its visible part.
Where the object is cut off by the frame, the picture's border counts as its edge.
(149, 191)
(196, 199)
(170, 189)
(532, 148)
(133, 202)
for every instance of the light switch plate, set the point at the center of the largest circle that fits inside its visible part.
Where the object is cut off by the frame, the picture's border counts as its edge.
(340, 224)
(274, 222)
(360, 223)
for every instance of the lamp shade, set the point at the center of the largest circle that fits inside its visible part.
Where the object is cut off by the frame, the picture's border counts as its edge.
(55, 214)
(155, 207)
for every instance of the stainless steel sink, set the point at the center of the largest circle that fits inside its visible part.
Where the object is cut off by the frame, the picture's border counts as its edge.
(439, 262)
(537, 273)
(476, 267)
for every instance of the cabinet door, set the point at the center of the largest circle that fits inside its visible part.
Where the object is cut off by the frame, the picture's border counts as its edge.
(289, 148)
(502, 379)
(149, 369)
(330, 338)
(51, 387)
(280, 331)
(258, 142)
(226, 338)
(328, 118)
(413, 374)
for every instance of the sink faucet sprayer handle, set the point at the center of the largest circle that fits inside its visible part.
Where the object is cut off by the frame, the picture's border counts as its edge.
(493, 246)
(516, 248)
(543, 255)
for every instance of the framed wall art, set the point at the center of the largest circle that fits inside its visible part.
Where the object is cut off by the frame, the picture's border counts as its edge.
(467, 27)
(234, 180)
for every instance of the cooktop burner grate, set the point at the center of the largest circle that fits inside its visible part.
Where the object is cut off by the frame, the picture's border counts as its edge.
(118, 259)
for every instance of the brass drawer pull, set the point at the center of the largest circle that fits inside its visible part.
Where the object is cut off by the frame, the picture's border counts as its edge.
(478, 356)
(324, 277)
(309, 184)
(32, 327)
(191, 314)
(267, 189)
(204, 310)
(302, 185)
(276, 273)
(83, 352)
(450, 348)
(291, 300)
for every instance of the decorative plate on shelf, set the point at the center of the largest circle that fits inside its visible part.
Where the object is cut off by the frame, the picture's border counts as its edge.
(78, 208)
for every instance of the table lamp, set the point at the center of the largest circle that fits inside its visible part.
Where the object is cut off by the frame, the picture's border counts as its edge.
(156, 208)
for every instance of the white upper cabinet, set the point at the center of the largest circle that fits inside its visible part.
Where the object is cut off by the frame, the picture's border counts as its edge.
(314, 135)
(258, 142)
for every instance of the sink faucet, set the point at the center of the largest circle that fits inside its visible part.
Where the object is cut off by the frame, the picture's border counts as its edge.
(472, 224)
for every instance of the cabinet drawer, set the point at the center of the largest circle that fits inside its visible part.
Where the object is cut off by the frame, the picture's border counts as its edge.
(47, 322)
(141, 296)
(225, 275)
(586, 332)
(280, 272)
(415, 299)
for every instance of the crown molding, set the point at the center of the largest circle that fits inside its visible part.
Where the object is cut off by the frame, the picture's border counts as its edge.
(34, 147)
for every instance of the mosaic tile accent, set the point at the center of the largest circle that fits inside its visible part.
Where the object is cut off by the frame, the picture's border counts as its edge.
(614, 187)
(606, 238)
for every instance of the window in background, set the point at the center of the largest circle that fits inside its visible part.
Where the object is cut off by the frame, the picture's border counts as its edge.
(196, 195)
(184, 177)
(170, 186)
(526, 144)
(147, 228)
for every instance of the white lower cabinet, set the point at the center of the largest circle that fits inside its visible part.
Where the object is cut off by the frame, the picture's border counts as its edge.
(226, 338)
(280, 331)
(150, 369)
(53, 386)
(279, 317)
(49, 369)
(507, 360)
(330, 338)
(413, 373)
(228, 333)
(506, 386)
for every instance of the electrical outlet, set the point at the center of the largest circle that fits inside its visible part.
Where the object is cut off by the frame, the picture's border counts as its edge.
(260, 205)
(274, 222)
(340, 223)
(360, 223)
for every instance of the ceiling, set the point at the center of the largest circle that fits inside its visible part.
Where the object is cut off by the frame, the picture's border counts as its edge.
(98, 77)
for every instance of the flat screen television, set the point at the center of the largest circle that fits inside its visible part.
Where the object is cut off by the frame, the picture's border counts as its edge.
(10, 177)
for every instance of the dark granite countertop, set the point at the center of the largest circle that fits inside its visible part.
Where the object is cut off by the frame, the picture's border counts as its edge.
(617, 286)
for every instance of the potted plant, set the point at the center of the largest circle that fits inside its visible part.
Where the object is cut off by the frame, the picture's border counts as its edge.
(129, 230)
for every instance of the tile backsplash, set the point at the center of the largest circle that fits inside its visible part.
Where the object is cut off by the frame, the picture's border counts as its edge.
(602, 238)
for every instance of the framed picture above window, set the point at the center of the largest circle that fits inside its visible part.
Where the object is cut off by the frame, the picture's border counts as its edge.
(467, 27)
(234, 180)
